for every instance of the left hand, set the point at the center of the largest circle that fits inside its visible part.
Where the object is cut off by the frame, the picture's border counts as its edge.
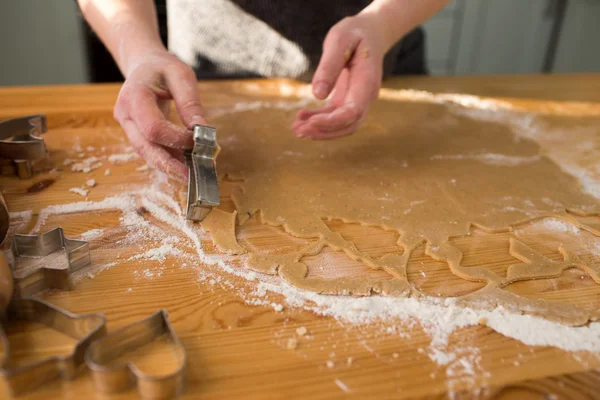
(351, 66)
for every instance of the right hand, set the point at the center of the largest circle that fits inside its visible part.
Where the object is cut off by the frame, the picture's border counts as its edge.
(143, 105)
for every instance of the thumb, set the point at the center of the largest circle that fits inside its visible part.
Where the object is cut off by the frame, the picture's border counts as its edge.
(338, 48)
(183, 86)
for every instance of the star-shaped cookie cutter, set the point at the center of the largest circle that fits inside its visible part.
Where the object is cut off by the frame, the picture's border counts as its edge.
(110, 378)
(84, 328)
(21, 143)
(43, 278)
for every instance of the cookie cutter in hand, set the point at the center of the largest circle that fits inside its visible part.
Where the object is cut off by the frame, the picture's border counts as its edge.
(20, 142)
(203, 186)
(116, 378)
(77, 254)
(84, 328)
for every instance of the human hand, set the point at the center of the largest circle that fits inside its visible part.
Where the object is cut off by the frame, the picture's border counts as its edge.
(351, 66)
(143, 105)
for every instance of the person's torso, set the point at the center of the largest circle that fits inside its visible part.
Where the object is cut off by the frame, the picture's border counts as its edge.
(244, 38)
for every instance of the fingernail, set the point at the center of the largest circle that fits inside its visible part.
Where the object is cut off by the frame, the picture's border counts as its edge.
(198, 120)
(321, 90)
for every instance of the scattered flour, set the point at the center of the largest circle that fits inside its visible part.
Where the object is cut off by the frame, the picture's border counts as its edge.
(125, 203)
(292, 343)
(80, 191)
(158, 254)
(122, 158)
(87, 165)
(91, 182)
(490, 158)
(92, 234)
(26, 215)
(342, 386)
(301, 331)
(557, 225)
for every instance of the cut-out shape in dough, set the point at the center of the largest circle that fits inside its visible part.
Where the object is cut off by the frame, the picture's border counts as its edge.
(537, 266)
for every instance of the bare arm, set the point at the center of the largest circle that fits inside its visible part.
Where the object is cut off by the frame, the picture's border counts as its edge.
(153, 77)
(398, 17)
(126, 27)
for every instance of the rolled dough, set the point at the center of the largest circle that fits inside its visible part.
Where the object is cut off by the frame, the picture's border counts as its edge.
(414, 168)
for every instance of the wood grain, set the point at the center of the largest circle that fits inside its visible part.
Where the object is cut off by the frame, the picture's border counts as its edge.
(240, 351)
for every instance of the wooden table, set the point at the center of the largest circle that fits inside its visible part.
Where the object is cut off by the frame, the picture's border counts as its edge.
(240, 351)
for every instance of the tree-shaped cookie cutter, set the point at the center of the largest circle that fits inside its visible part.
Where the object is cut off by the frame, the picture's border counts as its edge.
(84, 328)
(21, 143)
(77, 255)
(110, 378)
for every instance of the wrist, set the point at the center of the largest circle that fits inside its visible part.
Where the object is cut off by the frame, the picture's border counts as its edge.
(387, 34)
(134, 53)
(132, 43)
(395, 18)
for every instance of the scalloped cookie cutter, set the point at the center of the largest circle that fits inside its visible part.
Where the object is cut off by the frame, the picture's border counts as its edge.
(35, 246)
(120, 377)
(21, 143)
(84, 328)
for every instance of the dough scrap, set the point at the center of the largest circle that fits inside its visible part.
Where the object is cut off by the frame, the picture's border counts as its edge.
(414, 168)
(221, 226)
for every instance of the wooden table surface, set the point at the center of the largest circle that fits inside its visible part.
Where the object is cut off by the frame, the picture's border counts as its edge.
(239, 351)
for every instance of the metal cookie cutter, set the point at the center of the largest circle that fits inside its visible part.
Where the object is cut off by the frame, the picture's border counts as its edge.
(21, 143)
(84, 328)
(46, 277)
(111, 378)
(203, 187)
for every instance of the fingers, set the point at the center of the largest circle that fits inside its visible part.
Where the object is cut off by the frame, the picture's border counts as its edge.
(339, 118)
(357, 86)
(364, 79)
(305, 114)
(341, 88)
(338, 49)
(323, 114)
(155, 155)
(184, 90)
(317, 134)
(142, 107)
(139, 103)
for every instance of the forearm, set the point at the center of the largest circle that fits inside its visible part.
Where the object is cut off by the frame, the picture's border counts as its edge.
(398, 17)
(128, 28)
